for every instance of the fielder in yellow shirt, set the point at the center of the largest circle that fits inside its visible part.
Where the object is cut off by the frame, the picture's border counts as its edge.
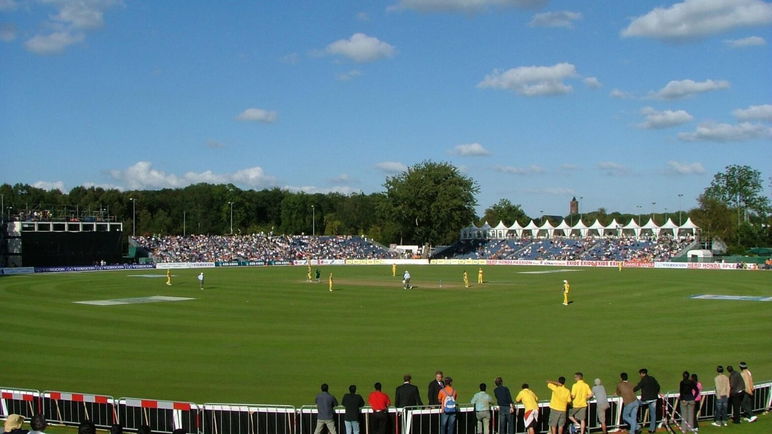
(531, 403)
(566, 290)
(580, 393)
(393, 270)
(480, 278)
(559, 401)
(329, 280)
(466, 279)
(169, 276)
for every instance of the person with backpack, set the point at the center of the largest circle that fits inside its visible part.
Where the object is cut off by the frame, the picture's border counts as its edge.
(448, 397)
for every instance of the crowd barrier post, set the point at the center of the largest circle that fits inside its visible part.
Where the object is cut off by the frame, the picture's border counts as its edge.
(73, 408)
(420, 420)
(160, 416)
(248, 419)
(24, 402)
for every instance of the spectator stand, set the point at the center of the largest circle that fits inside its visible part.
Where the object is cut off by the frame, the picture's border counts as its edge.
(248, 419)
(72, 408)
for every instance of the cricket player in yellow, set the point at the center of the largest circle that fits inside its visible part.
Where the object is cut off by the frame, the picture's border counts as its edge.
(466, 279)
(393, 270)
(480, 278)
(329, 280)
(580, 393)
(620, 264)
(169, 276)
(566, 290)
(531, 403)
(308, 273)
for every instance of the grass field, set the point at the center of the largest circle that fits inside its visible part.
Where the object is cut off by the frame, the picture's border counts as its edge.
(265, 335)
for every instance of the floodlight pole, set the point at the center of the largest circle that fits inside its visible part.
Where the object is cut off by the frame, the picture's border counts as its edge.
(652, 210)
(680, 220)
(133, 217)
(313, 220)
(231, 204)
(183, 222)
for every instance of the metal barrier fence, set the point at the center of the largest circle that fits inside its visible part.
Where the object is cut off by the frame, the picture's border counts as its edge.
(166, 416)
(25, 402)
(72, 408)
(248, 419)
(160, 416)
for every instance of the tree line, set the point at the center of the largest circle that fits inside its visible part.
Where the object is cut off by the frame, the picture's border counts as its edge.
(429, 203)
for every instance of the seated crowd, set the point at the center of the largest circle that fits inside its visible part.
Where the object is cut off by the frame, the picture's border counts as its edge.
(571, 249)
(259, 247)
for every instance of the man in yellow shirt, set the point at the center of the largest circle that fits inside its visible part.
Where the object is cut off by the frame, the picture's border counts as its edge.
(566, 290)
(531, 403)
(580, 393)
(330, 282)
(559, 401)
(169, 277)
(480, 278)
(466, 279)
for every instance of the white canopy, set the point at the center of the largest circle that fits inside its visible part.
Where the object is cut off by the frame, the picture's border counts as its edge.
(633, 226)
(565, 227)
(669, 225)
(517, 228)
(531, 226)
(597, 226)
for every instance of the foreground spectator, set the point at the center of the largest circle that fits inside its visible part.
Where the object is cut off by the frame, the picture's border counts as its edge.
(325, 404)
(13, 424)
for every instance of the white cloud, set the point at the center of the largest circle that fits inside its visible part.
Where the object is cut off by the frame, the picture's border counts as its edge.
(676, 89)
(343, 178)
(611, 168)
(102, 186)
(555, 19)
(468, 6)
(361, 48)
(349, 75)
(754, 113)
(663, 119)
(751, 41)
(677, 168)
(532, 80)
(50, 185)
(568, 167)
(362, 16)
(592, 82)
(391, 167)
(530, 170)
(471, 150)
(620, 94)
(70, 23)
(720, 132)
(142, 175)
(257, 115)
(693, 19)
(53, 43)
(7, 32)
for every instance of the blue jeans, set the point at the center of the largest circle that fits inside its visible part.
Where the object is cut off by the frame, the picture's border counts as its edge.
(352, 426)
(506, 421)
(652, 414)
(630, 415)
(448, 423)
(722, 405)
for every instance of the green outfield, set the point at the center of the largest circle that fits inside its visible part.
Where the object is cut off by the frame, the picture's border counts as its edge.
(266, 336)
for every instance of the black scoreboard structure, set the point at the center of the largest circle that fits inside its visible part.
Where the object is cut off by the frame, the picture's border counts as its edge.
(56, 244)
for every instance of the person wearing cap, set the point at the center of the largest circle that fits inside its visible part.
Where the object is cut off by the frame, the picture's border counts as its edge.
(747, 403)
(601, 400)
(722, 397)
(13, 424)
(566, 290)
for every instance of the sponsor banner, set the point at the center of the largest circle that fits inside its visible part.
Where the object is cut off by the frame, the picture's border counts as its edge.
(454, 261)
(364, 261)
(183, 265)
(95, 268)
(305, 262)
(638, 265)
(228, 264)
(279, 262)
(16, 270)
(679, 265)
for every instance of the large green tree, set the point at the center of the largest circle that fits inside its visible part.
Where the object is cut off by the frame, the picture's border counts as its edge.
(739, 188)
(505, 211)
(431, 202)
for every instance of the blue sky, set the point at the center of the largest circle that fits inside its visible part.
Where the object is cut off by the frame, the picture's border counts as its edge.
(621, 103)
